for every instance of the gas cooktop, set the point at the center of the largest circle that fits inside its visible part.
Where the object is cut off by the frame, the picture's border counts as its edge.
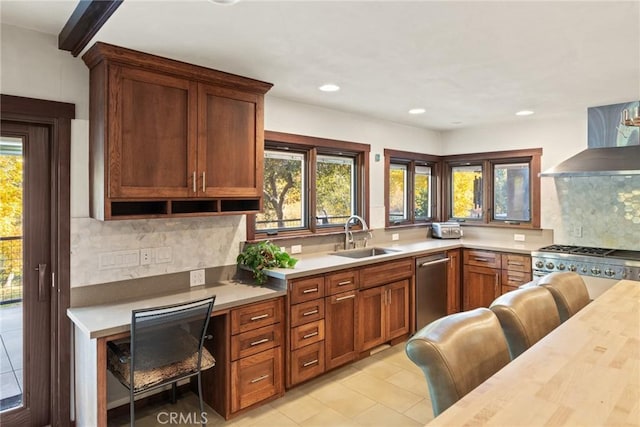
(589, 251)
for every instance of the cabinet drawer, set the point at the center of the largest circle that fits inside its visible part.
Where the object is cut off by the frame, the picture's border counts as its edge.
(506, 289)
(256, 315)
(256, 378)
(482, 258)
(515, 262)
(306, 289)
(341, 282)
(307, 362)
(307, 334)
(515, 278)
(307, 312)
(391, 271)
(255, 341)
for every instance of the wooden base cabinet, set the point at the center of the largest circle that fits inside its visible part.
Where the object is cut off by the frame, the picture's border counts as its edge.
(453, 282)
(341, 331)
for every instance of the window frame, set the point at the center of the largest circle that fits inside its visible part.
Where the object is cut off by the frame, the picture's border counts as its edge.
(312, 147)
(488, 160)
(412, 160)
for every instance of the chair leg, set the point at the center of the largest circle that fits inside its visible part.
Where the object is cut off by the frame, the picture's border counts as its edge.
(201, 401)
(174, 392)
(132, 409)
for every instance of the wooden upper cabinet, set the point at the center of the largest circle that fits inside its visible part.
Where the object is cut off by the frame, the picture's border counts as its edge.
(172, 139)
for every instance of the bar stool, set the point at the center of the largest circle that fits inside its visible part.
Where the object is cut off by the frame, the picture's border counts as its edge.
(457, 353)
(569, 292)
(526, 315)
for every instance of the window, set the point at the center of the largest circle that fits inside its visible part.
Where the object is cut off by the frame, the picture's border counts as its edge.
(411, 187)
(311, 185)
(497, 188)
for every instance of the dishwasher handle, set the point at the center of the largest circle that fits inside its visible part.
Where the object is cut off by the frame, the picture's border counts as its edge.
(439, 261)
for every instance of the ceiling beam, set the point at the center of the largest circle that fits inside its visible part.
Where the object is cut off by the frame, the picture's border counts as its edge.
(85, 21)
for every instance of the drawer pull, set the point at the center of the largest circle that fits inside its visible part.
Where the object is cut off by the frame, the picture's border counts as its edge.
(346, 282)
(257, 380)
(262, 341)
(516, 263)
(308, 291)
(312, 334)
(262, 316)
(309, 313)
(309, 363)
(481, 259)
(346, 297)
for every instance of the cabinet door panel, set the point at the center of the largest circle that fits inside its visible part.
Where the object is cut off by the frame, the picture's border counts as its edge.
(151, 150)
(256, 378)
(481, 286)
(397, 302)
(371, 318)
(341, 331)
(230, 143)
(453, 282)
(307, 362)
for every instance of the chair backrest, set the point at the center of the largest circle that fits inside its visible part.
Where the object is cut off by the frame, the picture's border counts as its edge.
(164, 335)
(457, 353)
(569, 292)
(526, 315)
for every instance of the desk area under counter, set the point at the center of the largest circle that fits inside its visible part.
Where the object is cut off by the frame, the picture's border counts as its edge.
(95, 325)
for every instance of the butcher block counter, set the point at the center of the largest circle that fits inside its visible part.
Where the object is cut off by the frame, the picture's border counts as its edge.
(584, 373)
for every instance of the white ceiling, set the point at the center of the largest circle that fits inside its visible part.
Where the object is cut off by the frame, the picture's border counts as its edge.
(466, 62)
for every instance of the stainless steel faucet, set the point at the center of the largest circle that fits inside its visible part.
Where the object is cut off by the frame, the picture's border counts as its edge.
(348, 235)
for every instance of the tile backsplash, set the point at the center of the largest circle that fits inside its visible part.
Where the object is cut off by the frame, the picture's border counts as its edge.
(194, 242)
(601, 211)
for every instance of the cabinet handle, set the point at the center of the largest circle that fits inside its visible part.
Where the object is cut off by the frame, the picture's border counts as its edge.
(481, 259)
(346, 282)
(389, 297)
(312, 334)
(195, 189)
(440, 261)
(42, 285)
(519, 264)
(309, 363)
(495, 285)
(309, 313)
(262, 316)
(262, 341)
(346, 297)
(256, 380)
(204, 182)
(308, 291)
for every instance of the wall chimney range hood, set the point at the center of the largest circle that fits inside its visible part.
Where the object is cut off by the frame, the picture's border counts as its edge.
(613, 146)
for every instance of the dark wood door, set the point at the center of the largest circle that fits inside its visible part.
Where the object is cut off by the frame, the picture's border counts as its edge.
(26, 318)
(230, 143)
(397, 307)
(341, 331)
(481, 285)
(371, 318)
(453, 282)
(152, 135)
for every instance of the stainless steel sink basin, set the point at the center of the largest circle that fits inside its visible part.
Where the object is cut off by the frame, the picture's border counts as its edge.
(365, 252)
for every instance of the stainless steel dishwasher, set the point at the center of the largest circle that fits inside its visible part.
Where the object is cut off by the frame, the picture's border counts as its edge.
(431, 288)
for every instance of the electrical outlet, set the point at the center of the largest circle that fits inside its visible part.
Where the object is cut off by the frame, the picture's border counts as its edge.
(519, 237)
(146, 256)
(577, 231)
(395, 236)
(196, 278)
(296, 249)
(283, 249)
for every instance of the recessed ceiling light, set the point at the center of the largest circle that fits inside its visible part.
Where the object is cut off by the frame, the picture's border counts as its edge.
(329, 87)
(417, 111)
(224, 2)
(524, 113)
(456, 123)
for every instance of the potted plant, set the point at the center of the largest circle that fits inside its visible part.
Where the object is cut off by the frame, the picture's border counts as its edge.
(264, 255)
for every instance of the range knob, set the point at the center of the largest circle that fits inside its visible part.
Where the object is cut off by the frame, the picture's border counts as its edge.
(539, 264)
(561, 267)
(572, 267)
(584, 269)
(595, 270)
(550, 265)
(609, 272)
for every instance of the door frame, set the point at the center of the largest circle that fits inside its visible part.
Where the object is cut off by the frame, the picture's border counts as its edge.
(57, 116)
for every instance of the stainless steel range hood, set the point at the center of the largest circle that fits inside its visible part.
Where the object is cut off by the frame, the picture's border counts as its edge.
(600, 161)
(614, 148)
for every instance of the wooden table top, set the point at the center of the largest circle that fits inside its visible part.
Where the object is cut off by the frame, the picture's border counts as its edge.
(584, 373)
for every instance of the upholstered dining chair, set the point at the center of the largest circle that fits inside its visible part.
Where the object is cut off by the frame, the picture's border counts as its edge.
(165, 346)
(526, 315)
(457, 353)
(569, 292)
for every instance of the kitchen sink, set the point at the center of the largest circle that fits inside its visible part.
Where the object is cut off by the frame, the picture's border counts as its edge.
(365, 252)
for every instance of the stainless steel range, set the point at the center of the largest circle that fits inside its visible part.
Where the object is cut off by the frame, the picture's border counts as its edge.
(600, 267)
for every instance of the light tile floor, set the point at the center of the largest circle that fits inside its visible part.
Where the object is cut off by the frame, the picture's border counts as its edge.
(10, 356)
(386, 389)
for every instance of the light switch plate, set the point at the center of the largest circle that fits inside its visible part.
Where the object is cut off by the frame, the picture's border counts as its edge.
(296, 249)
(196, 277)
(519, 237)
(395, 236)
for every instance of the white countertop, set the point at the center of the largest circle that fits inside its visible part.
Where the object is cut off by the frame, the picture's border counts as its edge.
(109, 319)
(318, 263)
